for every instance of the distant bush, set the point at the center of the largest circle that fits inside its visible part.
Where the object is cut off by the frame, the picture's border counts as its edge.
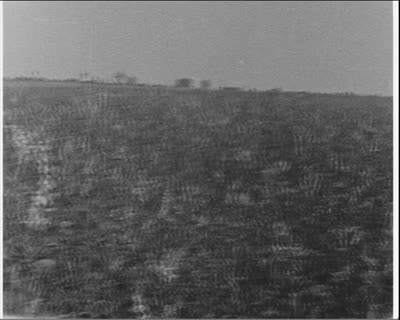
(122, 78)
(231, 89)
(30, 78)
(275, 90)
(184, 83)
(205, 84)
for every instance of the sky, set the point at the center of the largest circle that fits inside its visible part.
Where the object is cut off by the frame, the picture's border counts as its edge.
(320, 46)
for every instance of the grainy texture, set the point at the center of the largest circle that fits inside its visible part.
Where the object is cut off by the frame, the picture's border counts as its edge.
(138, 202)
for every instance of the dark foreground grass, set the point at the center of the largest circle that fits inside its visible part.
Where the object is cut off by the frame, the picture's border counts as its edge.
(137, 202)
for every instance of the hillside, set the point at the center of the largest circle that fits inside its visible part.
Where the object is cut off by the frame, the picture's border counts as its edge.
(133, 202)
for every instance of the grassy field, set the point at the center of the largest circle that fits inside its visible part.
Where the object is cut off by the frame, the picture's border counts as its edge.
(139, 202)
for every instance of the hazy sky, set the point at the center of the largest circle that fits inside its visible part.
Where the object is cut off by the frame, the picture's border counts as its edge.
(315, 46)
